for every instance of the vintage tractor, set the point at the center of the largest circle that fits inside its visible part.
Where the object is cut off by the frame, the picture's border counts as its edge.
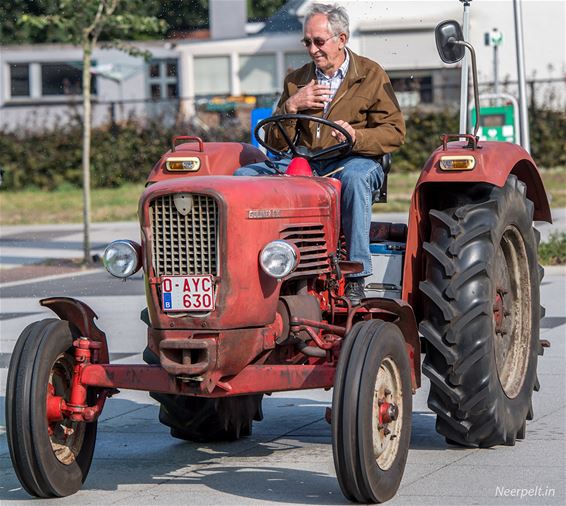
(244, 284)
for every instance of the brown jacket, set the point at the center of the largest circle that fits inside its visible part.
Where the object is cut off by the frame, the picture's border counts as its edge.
(365, 99)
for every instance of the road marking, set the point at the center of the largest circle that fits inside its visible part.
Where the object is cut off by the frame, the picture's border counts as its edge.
(50, 278)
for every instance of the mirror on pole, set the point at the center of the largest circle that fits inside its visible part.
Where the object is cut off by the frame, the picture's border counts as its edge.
(447, 34)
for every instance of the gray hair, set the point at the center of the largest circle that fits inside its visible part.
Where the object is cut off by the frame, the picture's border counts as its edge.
(338, 21)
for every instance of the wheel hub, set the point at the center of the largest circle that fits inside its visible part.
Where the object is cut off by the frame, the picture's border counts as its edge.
(388, 413)
(387, 419)
(511, 312)
(498, 311)
(66, 435)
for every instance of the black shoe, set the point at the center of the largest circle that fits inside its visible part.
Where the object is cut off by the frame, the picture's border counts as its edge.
(355, 290)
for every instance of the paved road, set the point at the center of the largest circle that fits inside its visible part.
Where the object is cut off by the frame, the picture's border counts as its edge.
(29, 244)
(288, 459)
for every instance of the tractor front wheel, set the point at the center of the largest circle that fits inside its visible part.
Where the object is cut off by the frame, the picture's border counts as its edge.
(481, 315)
(51, 458)
(371, 412)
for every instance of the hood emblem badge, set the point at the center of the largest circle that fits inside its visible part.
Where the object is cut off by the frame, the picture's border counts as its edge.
(183, 203)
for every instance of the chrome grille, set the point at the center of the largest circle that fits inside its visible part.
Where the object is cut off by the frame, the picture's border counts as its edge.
(184, 245)
(311, 243)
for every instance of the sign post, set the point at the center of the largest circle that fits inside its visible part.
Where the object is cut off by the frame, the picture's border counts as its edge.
(494, 39)
(465, 71)
(520, 46)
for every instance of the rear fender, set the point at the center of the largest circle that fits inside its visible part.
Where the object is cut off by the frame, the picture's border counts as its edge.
(82, 317)
(494, 162)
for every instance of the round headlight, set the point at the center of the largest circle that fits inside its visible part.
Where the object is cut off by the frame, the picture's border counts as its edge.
(278, 258)
(122, 258)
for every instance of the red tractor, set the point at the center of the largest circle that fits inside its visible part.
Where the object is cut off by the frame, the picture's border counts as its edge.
(244, 284)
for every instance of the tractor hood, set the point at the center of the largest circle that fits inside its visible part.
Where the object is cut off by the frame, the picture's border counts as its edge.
(230, 221)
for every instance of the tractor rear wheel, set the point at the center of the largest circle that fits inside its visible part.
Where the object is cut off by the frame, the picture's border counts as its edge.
(481, 314)
(204, 419)
(371, 412)
(51, 459)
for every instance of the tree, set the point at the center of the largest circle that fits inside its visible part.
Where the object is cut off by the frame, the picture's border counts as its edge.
(180, 16)
(84, 23)
(260, 10)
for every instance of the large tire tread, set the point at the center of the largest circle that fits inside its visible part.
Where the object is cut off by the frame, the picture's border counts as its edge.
(458, 317)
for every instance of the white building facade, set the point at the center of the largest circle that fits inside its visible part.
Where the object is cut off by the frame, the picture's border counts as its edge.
(40, 82)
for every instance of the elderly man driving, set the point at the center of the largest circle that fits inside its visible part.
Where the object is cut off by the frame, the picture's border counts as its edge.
(355, 93)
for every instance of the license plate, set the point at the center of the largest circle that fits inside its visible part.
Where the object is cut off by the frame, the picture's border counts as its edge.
(187, 293)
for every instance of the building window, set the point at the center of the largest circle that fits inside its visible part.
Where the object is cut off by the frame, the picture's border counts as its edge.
(63, 79)
(212, 75)
(155, 90)
(257, 74)
(162, 78)
(413, 90)
(293, 61)
(172, 91)
(154, 70)
(19, 80)
(171, 69)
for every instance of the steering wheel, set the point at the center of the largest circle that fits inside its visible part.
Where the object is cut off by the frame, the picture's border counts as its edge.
(343, 148)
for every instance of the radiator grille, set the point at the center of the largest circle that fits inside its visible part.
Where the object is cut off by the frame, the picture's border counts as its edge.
(184, 245)
(311, 243)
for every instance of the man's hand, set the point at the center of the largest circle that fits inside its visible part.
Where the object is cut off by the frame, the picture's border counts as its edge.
(311, 96)
(346, 126)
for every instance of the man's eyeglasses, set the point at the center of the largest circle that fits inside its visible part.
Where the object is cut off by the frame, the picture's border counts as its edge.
(317, 41)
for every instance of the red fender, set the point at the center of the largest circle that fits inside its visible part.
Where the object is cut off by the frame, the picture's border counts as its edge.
(494, 162)
(407, 324)
(82, 317)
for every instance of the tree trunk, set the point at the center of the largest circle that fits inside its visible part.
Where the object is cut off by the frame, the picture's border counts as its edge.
(87, 53)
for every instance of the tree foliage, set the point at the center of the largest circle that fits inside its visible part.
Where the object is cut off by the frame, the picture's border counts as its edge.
(180, 15)
(260, 10)
(177, 15)
(74, 21)
(13, 31)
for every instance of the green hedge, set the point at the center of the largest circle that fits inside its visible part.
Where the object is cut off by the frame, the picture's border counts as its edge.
(127, 152)
(122, 154)
(547, 132)
(548, 137)
(423, 137)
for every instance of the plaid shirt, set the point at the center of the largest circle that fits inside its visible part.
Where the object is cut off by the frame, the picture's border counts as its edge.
(335, 81)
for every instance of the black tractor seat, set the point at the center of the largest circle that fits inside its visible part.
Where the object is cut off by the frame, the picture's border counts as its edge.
(380, 196)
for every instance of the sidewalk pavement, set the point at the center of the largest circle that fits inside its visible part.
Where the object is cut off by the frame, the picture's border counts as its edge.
(34, 251)
(38, 251)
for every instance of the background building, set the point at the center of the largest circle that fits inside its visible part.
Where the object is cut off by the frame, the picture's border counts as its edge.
(40, 84)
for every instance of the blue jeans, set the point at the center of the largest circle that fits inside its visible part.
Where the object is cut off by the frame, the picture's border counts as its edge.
(360, 177)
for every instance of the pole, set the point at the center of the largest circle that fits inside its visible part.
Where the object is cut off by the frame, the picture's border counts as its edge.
(519, 43)
(87, 115)
(495, 70)
(465, 70)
